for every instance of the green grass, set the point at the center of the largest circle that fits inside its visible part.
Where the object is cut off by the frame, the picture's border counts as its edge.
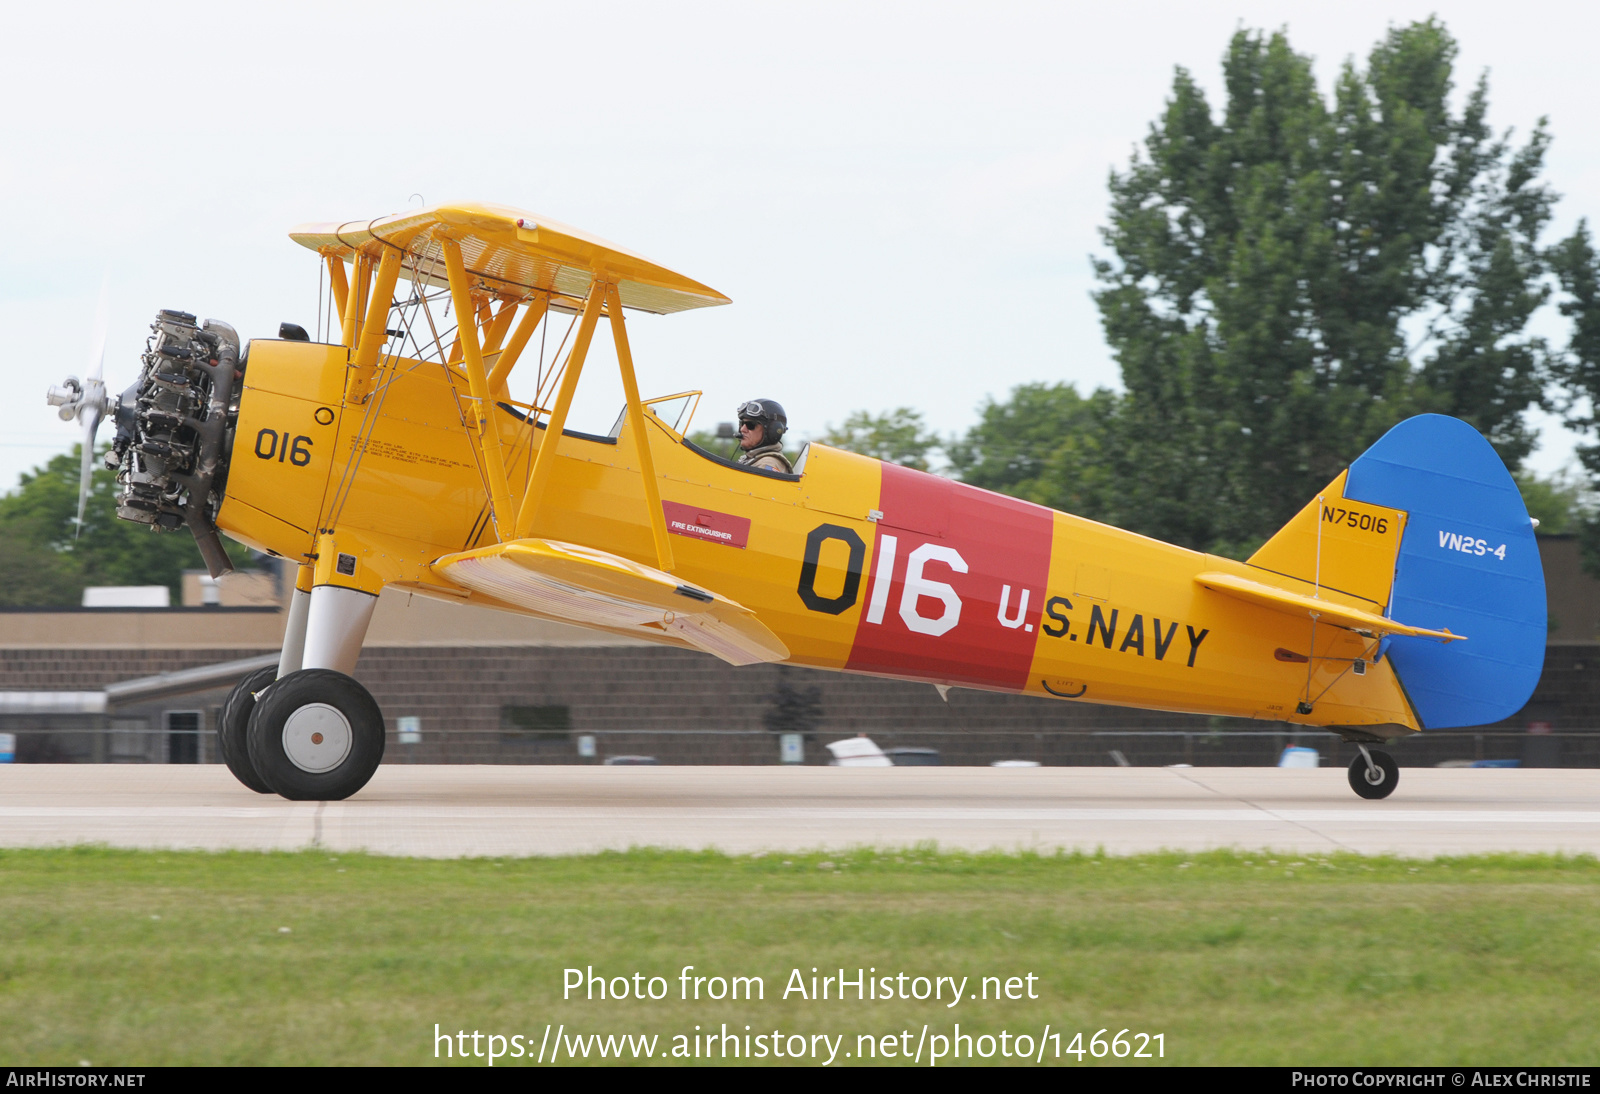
(167, 958)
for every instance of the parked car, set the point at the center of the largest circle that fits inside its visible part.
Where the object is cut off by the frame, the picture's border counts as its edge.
(913, 757)
(858, 751)
(1299, 756)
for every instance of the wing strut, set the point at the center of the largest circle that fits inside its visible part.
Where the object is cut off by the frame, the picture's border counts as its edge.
(372, 330)
(647, 463)
(507, 360)
(545, 462)
(602, 295)
(497, 329)
(337, 279)
(354, 301)
(488, 432)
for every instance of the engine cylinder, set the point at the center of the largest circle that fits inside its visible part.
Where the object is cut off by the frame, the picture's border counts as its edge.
(175, 431)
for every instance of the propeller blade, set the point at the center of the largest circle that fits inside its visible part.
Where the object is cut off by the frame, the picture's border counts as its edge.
(91, 422)
(102, 325)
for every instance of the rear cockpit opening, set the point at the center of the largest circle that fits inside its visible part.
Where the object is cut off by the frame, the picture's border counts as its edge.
(799, 463)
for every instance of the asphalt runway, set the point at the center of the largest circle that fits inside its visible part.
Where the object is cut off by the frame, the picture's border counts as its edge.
(454, 811)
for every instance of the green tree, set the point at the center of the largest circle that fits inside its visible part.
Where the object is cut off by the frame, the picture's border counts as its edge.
(49, 566)
(1560, 503)
(1577, 371)
(793, 709)
(720, 446)
(35, 575)
(1045, 443)
(1292, 274)
(895, 436)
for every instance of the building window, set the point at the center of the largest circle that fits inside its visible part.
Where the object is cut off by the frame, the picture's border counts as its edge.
(183, 736)
(546, 726)
(128, 741)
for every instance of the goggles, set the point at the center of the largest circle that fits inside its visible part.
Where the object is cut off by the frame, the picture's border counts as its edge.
(752, 412)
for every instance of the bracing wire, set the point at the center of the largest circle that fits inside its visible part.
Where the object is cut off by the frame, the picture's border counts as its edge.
(544, 329)
(556, 373)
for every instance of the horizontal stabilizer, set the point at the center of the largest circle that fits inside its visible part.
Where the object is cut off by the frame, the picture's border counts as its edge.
(594, 588)
(1325, 611)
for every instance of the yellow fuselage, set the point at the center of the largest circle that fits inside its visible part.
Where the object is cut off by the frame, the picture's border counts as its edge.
(856, 565)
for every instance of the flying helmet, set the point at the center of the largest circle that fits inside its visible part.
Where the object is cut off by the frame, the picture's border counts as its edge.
(768, 414)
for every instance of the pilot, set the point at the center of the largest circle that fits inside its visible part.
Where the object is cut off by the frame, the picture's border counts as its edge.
(762, 424)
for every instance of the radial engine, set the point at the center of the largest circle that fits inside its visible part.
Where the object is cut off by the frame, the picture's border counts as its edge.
(174, 430)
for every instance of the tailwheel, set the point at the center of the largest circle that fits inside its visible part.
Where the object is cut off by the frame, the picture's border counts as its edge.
(1374, 774)
(234, 728)
(316, 735)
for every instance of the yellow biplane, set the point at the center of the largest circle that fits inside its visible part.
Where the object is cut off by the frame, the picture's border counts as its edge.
(1406, 596)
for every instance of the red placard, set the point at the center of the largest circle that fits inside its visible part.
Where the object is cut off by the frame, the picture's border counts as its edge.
(698, 523)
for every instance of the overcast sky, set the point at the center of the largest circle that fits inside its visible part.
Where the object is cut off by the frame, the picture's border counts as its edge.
(901, 199)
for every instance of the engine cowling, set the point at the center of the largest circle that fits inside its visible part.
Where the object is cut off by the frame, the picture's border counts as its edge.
(175, 431)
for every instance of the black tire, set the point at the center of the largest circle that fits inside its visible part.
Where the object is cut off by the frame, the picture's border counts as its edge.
(317, 735)
(1361, 778)
(233, 730)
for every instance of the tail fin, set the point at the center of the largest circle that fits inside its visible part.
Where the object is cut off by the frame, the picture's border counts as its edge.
(1429, 527)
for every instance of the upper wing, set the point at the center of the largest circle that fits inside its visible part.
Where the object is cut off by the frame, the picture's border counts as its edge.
(511, 250)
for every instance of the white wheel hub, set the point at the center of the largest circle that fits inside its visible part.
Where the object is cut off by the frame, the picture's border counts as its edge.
(317, 738)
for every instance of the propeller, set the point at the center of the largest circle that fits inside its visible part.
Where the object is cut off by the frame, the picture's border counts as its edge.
(86, 401)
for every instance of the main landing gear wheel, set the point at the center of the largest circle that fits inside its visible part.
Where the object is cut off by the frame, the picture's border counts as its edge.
(233, 731)
(317, 735)
(1375, 779)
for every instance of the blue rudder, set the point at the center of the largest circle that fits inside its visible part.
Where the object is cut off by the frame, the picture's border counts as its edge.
(1468, 562)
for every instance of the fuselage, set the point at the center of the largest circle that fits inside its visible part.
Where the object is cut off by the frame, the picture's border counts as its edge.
(856, 565)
